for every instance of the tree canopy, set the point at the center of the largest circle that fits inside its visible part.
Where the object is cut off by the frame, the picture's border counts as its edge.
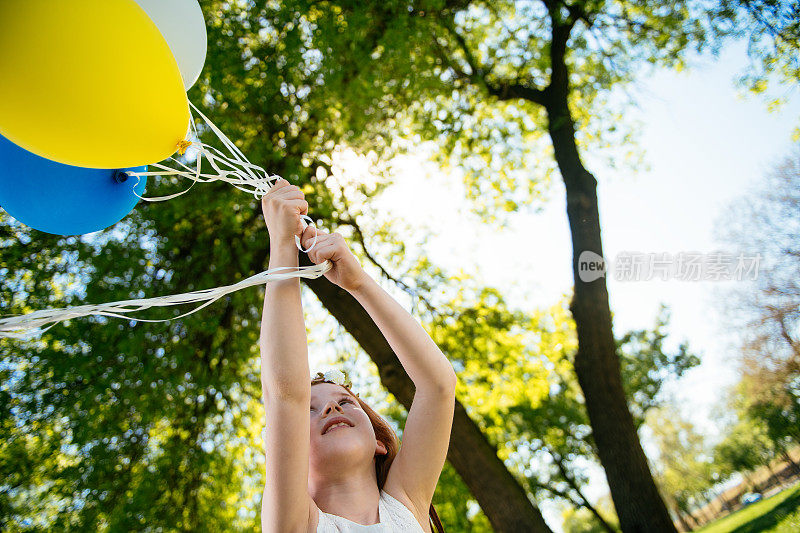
(127, 425)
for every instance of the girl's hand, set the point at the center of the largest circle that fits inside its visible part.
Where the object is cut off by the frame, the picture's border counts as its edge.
(282, 207)
(346, 272)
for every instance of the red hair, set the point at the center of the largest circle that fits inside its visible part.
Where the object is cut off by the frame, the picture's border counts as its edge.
(387, 436)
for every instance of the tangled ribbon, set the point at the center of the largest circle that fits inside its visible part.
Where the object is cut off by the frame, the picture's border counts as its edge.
(233, 168)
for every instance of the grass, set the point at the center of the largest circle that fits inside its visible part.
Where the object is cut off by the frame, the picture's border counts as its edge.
(778, 514)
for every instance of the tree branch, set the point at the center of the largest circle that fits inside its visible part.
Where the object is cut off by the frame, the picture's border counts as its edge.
(560, 31)
(514, 91)
(349, 220)
(574, 486)
(505, 90)
(578, 12)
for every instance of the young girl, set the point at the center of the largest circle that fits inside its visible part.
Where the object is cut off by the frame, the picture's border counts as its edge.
(332, 463)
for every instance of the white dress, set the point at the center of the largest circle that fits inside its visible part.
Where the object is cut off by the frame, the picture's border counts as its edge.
(393, 516)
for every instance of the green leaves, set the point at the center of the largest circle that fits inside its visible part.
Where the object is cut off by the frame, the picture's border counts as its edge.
(517, 381)
(646, 366)
(682, 467)
(771, 29)
(109, 424)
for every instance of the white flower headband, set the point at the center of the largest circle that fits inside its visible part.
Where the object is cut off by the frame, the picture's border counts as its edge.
(334, 376)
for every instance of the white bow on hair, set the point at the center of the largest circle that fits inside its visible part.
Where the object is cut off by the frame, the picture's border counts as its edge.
(334, 375)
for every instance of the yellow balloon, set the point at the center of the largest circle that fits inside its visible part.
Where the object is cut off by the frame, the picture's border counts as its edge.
(90, 83)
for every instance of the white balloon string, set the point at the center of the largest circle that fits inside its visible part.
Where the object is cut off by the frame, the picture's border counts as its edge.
(233, 168)
(26, 326)
(303, 219)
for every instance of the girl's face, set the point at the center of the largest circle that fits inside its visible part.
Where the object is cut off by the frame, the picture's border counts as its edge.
(351, 443)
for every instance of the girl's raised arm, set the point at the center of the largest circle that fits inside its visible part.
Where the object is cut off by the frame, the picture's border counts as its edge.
(285, 375)
(284, 352)
(426, 436)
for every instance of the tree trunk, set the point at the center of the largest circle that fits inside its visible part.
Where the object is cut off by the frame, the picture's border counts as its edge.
(752, 486)
(636, 498)
(774, 479)
(682, 519)
(706, 514)
(788, 458)
(501, 498)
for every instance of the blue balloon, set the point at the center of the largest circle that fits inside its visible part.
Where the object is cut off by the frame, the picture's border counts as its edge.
(63, 199)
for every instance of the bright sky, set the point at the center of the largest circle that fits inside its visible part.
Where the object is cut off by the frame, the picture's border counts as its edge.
(705, 143)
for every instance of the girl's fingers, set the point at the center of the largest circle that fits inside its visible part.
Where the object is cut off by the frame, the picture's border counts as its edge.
(317, 247)
(310, 231)
(301, 206)
(280, 184)
(275, 189)
(307, 238)
(321, 252)
(288, 193)
(284, 190)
